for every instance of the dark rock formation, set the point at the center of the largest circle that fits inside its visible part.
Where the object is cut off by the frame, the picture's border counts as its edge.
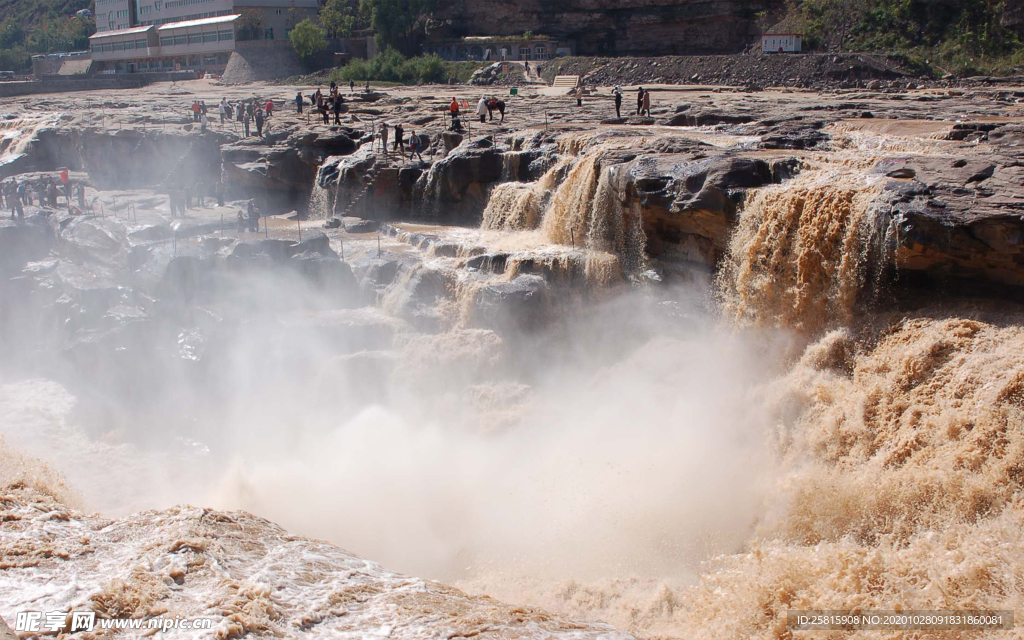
(690, 206)
(955, 218)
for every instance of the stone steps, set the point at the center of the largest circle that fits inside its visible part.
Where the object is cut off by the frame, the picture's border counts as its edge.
(566, 82)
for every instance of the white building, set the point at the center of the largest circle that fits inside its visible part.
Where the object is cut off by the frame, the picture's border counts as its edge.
(174, 35)
(781, 43)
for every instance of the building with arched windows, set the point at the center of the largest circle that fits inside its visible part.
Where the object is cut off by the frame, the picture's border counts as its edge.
(495, 48)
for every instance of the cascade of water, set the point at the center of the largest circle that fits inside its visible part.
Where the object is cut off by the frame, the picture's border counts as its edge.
(321, 202)
(798, 255)
(17, 133)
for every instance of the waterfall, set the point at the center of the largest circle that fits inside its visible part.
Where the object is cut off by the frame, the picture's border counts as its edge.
(798, 255)
(321, 202)
(513, 206)
(587, 212)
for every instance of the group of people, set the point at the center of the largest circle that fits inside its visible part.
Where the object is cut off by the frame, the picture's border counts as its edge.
(643, 100)
(15, 195)
(254, 111)
(485, 109)
(181, 196)
(250, 219)
(325, 105)
(416, 142)
(247, 113)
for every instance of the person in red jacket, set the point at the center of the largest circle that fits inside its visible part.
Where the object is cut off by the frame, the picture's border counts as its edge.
(195, 111)
(454, 107)
(269, 108)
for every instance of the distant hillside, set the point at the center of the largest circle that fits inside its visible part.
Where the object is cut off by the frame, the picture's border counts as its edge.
(33, 13)
(963, 37)
(29, 27)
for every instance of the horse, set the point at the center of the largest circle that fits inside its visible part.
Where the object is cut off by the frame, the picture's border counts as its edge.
(493, 104)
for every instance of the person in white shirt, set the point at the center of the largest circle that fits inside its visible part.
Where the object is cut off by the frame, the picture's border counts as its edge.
(481, 108)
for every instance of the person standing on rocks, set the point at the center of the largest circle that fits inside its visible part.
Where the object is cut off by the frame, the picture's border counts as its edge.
(203, 121)
(646, 104)
(579, 94)
(298, 102)
(247, 121)
(414, 146)
(400, 138)
(51, 194)
(618, 102)
(17, 200)
(270, 108)
(338, 101)
(253, 216)
(259, 121)
(639, 100)
(223, 109)
(453, 108)
(384, 138)
(481, 108)
(352, 86)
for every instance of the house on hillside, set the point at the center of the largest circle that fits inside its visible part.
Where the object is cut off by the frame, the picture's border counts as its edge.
(781, 43)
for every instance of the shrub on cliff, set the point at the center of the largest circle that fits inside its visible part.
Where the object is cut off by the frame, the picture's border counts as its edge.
(392, 66)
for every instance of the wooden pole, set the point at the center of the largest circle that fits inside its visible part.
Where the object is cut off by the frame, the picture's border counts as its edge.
(298, 223)
(342, 243)
(378, 244)
(266, 226)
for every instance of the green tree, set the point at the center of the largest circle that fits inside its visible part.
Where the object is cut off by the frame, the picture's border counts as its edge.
(308, 38)
(339, 18)
(398, 23)
(11, 34)
(250, 24)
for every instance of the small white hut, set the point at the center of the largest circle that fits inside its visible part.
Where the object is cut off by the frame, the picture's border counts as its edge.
(781, 43)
